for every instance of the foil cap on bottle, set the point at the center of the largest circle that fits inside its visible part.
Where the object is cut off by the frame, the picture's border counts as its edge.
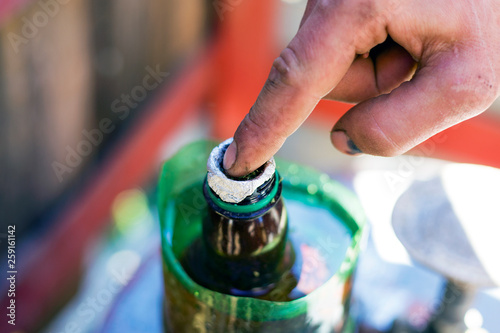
(231, 190)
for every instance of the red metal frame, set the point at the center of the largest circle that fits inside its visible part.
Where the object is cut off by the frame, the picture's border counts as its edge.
(56, 262)
(476, 140)
(246, 49)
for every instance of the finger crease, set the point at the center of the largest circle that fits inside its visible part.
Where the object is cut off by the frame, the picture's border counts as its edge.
(388, 138)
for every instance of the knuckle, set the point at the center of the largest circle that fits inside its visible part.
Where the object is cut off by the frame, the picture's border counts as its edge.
(287, 66)
(251, 123)
(256, 122)
(323, 5)
(268, 125)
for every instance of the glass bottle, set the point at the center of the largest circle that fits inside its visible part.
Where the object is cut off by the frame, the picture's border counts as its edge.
(254, 266)
(244, 249)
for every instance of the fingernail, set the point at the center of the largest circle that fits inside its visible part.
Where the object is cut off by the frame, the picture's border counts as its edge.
(344, 143)
(230, 156)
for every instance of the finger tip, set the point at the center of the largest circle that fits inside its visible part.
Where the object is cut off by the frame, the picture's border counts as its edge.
(230, 156)
(343, 143)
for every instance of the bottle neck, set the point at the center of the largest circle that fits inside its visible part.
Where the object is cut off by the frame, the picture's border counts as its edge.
(253, 205)
(246, 242)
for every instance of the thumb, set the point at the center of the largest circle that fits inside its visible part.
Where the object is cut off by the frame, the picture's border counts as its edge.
(444, 92)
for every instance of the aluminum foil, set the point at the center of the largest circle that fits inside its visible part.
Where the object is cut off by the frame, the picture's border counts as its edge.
(229, 190)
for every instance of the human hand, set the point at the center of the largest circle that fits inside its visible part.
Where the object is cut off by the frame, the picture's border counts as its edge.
(449, 49)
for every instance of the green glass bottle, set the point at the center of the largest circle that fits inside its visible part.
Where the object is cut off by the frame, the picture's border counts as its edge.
(261, 254)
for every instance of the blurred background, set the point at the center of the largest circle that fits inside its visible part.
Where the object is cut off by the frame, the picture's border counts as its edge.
(95, 94)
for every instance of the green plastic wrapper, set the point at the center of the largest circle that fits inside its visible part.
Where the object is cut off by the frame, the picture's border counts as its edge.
(326, 224)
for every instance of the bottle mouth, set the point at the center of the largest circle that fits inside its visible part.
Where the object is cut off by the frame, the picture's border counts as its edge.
(253, 205)
(237, 190)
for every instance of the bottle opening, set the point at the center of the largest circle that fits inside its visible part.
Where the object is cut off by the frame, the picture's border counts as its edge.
(242, 190)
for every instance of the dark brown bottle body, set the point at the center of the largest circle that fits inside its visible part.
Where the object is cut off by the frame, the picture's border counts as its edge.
(244, 254)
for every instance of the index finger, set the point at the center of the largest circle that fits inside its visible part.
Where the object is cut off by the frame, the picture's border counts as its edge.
(306, 70)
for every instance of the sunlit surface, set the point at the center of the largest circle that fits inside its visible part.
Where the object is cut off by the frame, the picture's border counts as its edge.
(386, 270)
(473, 319)
(123, 264)
(378, 201)
(474, 193)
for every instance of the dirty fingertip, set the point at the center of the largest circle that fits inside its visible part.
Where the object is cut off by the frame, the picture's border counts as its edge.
(343, 143)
